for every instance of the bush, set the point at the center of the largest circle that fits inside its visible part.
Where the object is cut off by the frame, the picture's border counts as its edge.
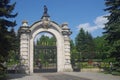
(115, 73)
(2, 76)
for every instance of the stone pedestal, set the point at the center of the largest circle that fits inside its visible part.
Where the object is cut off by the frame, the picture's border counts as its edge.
(66, 33)
(24, 48)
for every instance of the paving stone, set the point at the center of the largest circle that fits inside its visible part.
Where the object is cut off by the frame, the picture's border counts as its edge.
(61, 76)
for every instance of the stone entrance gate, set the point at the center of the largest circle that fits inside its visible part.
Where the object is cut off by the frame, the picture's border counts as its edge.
(28, 34)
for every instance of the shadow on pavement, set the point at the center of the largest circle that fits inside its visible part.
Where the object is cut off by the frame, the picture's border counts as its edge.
(61, 76)
(45, 70)
(16, 76)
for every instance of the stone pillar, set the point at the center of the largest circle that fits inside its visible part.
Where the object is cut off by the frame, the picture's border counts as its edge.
(66, 33)
(24, 48)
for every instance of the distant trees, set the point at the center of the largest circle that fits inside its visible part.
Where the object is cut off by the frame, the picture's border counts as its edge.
(46, 41)
(102, 48)
(86, 47)
(112, 30)
(46, 53)
(85, 44)
(74, 53)
(99, 46)
(6, 10)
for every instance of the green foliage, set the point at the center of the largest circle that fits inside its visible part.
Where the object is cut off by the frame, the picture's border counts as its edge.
(85, 44)
(13, 57)
(112, 29)
(46, 41)
(5, 35)
(45, 54)
(74, 54)
(102, 48)
(80, 40)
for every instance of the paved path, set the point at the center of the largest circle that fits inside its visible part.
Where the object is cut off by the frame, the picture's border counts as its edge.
(65, 76)
(62, 76)
(26, 77)
(94, 75)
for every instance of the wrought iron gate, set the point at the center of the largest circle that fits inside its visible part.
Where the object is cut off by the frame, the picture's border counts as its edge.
(45, 59)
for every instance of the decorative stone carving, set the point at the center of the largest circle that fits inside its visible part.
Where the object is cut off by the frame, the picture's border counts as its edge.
(46, 24)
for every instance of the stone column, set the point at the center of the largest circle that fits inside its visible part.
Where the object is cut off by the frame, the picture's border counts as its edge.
(66, 33)
(24, 48)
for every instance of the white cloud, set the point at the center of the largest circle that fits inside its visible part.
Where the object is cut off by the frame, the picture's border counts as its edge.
(100, 21)
(98, 24)
(87, 27)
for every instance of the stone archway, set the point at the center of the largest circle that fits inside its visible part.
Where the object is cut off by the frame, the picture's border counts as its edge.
(27, 35)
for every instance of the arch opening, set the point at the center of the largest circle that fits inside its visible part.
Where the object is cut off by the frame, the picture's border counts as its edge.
(45, 53)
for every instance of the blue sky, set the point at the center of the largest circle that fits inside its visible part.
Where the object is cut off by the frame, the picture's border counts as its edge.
(87, 14)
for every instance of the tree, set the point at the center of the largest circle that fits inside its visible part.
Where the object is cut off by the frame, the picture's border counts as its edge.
(85, 44)
(73, 51)
(112, 30)
(14, 52)
(90, 48)
(80, 40)
(5, 23)
(46, 41)
(112, 27)
(102, 48)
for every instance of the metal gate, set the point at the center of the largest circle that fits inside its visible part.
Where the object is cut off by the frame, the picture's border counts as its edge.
(45, 59)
